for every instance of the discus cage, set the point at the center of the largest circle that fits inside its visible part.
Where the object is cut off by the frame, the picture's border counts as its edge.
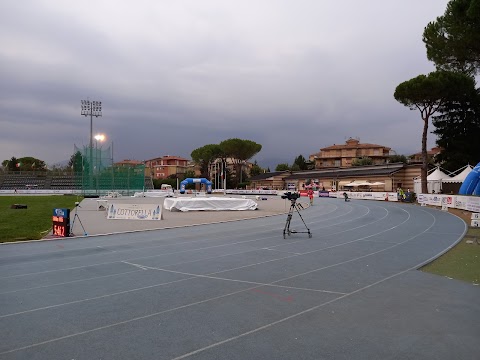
(95, 173)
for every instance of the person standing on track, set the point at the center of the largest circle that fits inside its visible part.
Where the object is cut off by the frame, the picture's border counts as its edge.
(310, 195)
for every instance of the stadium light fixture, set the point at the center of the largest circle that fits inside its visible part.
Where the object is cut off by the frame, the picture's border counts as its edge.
(91, 108)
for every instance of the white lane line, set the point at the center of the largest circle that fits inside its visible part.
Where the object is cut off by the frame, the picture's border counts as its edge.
(136, 265)
(69, 282)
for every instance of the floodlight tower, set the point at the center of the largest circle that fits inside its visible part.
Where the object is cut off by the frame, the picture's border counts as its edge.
(92, 108)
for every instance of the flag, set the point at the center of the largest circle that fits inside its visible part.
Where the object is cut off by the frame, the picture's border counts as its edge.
(33, 164)
(18, 165)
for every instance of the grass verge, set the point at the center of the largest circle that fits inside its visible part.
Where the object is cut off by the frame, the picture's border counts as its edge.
(35, 221)
(462, 262)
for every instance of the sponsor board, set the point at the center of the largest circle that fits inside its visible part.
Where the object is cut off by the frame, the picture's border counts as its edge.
(473, 204)
(475, 223)
(323, 194)
(119, 211)
(460, 202)
(475, 216)
(449, 200)
(392, 196)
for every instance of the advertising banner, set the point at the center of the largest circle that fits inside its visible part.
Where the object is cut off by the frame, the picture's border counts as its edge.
(392, 196)
(473, 203)
(448, 201)
(134, 211)
(380, 196)
(461, 202)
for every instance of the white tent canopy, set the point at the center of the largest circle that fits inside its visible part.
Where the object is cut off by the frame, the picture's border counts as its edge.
(460, 177)
(434, 181)
(358, 183)
(436, 175)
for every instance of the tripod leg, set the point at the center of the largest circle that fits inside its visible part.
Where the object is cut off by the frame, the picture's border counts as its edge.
(309, 233)
(73, 224)
(286, 230)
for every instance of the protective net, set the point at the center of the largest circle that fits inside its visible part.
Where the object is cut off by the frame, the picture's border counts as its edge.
(95, 173)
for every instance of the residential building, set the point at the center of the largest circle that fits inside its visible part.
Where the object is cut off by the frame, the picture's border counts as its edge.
(269, 181)
(165, 166)
(343, 155)
(431, 155)
(128, 162)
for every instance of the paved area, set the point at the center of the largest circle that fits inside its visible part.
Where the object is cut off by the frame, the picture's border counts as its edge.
(239, 290)
(95, 222)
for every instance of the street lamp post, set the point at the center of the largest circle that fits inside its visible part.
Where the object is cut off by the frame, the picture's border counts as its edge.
(98, 137)
(91, 108)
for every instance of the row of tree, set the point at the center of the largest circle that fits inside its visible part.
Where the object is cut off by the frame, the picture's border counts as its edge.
(237, 151)
(26, 163)
(453, 43)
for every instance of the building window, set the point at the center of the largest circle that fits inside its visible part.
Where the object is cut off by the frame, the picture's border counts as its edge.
(337, 163)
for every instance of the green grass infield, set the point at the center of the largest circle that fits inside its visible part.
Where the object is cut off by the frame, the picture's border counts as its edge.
(35, 221)
(462, 262)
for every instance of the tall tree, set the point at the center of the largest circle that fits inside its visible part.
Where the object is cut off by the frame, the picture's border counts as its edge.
(239, 151)
(427, 93)
(204, 156)
(453, 40)
(12, 164)
(362, 161)
(256, 169)
(397, 159)
(282, 167)
(458, 131)
(301, 162)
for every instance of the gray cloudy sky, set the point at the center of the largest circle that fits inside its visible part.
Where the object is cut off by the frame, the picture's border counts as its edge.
(294, 76)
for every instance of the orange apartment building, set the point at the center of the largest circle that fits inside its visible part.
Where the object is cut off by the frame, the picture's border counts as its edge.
(431, 156)
(343, 155)
(165, 166)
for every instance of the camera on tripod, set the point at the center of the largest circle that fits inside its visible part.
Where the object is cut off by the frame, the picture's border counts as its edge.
(290, 196)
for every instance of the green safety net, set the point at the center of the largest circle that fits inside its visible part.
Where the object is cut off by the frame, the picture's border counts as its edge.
(95, 173)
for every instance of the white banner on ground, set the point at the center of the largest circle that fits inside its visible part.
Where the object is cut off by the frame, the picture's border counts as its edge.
(134, 211)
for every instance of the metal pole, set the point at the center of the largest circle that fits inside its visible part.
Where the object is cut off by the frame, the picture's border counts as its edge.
(96, 167)
(113, 182)
(91, 146)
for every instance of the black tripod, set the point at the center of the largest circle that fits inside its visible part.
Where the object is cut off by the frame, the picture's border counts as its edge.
(294, 207)
(73, 221)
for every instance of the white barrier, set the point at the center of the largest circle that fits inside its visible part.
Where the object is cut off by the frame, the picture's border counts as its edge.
(43, 192)
(469, 203)
(254, 192)
(379, 196)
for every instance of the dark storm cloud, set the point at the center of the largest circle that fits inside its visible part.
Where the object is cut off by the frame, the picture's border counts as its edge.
(174, 76)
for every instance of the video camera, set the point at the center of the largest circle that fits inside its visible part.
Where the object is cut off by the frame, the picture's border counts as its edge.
(290, 196)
